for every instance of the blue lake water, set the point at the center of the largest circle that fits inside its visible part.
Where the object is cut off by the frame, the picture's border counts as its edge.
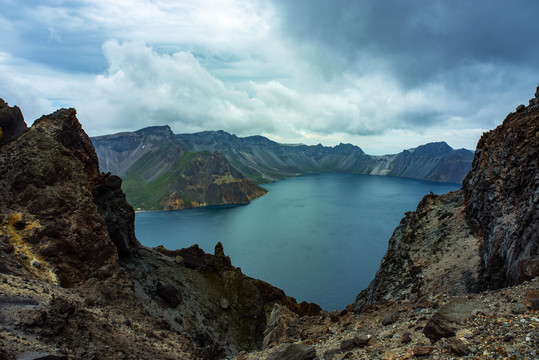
(319, 237)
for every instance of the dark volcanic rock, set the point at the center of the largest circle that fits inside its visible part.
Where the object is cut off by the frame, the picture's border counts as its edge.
(446, 321)
(457, 346)
(171, 294)
(502, 197)
(293, 352)
(11, 122)
(389, 318)
(119, 216)
(49, 175)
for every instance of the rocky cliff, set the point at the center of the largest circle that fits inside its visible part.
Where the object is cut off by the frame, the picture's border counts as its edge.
(484, 236)
(262, 160)
(11, 122)
(160, 174)
(52, 202)
(75, 282)
(502, 197)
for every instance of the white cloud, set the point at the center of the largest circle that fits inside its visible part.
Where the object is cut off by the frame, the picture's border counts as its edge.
(225, 64)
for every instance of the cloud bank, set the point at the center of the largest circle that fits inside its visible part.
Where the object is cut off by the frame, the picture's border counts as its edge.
(384, 75)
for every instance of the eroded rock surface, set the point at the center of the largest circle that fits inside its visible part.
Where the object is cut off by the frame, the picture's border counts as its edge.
(49, 175)
(502, 196)
(482, 236)
(11, 122)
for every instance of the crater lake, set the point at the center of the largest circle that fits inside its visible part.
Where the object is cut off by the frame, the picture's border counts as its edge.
(319, 237)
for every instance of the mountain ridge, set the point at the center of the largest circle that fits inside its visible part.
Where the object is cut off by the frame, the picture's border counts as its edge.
(160, 175)
(261, 159)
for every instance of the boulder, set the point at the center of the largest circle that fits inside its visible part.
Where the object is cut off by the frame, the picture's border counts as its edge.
(279, 323)
(457, 346)
(293, 352)
(389, 318)
(170, 294)
(447, 321)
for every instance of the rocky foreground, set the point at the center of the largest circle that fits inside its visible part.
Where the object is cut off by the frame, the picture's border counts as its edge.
(459, 279)
(502, 324)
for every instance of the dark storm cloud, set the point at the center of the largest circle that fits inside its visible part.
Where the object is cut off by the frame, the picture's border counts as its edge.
(418, 41)
(381, 74)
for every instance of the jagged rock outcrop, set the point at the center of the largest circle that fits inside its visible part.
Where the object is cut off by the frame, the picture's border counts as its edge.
(11, 122)
(48, 208)
(502, 195)
(161, 175)
(482, 236)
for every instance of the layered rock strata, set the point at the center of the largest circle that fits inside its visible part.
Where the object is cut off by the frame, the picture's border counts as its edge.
(262, 160)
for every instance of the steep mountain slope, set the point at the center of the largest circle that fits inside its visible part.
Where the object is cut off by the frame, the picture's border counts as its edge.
(264, 160)
(76, 283)
(159, 174)
(502, 193)
(434, 161)
(484, 236)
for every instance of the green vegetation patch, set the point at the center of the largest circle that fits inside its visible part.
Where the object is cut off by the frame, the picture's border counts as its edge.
(148, 195)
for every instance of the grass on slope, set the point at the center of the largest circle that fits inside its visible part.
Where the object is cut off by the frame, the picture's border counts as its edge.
(148, 195)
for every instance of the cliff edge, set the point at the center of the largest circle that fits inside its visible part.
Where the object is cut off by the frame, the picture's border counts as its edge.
(483, 236)
(502, 198)
(53, 208)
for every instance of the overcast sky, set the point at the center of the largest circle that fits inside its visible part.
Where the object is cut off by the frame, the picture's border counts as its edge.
(383, 75)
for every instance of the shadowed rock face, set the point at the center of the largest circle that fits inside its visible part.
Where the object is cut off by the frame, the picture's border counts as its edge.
(51, 181)
(484, 236)
(503, 198)
(11, 122)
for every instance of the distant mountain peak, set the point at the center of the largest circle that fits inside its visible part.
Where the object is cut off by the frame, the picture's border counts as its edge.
(163, 130)
(432, 149)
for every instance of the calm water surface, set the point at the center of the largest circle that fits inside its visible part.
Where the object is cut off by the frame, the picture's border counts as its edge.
(319, 237)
